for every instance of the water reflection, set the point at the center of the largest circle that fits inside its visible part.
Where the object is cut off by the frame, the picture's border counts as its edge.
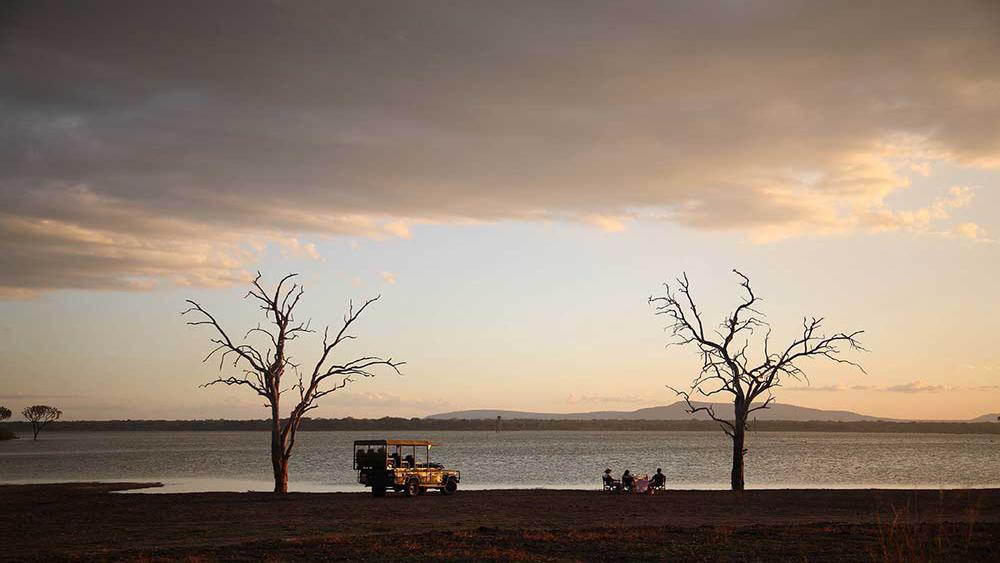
(237, 461)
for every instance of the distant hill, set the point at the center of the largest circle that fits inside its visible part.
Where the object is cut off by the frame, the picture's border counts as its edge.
(991, 417)
(675, 411)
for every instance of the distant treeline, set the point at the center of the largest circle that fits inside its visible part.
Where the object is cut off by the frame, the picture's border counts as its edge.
(409, 424)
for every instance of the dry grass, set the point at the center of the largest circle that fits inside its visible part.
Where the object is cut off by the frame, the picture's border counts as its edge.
(907, 536)
(44, 524)
(813, 543)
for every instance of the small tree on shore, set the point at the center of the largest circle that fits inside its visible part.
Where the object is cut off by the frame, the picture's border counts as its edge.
(5, 413)
(263, 372)
(727, 366)
(40, 416)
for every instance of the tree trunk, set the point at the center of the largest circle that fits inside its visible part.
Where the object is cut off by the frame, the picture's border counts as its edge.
(281, 476)
(739, 442)
(35, 429)
(279, 462)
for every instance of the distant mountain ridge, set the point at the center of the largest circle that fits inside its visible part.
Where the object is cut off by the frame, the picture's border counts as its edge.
(678, 411)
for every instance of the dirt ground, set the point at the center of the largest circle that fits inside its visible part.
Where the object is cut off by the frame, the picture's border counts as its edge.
(87, 521)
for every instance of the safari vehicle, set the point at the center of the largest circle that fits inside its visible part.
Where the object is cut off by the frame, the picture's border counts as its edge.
(401, 465)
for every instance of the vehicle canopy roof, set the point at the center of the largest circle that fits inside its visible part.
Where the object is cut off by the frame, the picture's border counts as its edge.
(394, 443)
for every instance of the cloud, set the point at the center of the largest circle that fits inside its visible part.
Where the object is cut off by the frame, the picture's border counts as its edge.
(292, 246)
(825, 388)
(922, 168)
(367, 399)
(970, 231)
(73, 237)
(915, 387)
(605, 399)
(607, 223)
(922, 219)
(129, 160)
(911, 387)
(34, 397)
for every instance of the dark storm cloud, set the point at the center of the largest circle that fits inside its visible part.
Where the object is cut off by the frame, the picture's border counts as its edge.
(150, 140)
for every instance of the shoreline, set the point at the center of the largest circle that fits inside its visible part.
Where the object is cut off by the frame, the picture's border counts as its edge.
(202, 485)
(528, 524)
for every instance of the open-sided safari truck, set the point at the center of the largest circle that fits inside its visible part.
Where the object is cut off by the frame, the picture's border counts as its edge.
(401, 465)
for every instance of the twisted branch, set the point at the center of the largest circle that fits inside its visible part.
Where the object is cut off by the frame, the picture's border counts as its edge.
(263, 372)
(727, 369)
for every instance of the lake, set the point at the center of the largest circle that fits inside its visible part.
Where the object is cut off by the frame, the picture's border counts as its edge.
(238, 461)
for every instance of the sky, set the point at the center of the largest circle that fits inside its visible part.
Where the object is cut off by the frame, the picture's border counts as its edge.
(515, 179)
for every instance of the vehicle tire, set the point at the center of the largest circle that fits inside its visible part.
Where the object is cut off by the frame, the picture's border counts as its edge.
(412, 488)
(450, 486)
(378, 491)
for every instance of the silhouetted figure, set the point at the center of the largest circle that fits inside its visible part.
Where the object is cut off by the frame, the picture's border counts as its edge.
(395, 459)
(658, 481)
(610, 483)
(408, 460)
(628, 481)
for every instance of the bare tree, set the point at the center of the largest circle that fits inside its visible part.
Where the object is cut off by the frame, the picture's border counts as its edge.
(263, 372)
(4, 413)
(40, 416)
(727, 366)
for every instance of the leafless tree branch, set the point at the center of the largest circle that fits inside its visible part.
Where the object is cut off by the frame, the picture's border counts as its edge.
(727, 366)
(263, 372)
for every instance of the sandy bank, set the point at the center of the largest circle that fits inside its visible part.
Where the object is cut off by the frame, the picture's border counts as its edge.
(88, 521)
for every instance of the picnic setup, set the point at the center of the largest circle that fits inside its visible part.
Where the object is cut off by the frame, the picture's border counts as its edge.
(631, 484)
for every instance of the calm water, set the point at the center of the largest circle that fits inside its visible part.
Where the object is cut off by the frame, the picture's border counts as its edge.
(193, 461)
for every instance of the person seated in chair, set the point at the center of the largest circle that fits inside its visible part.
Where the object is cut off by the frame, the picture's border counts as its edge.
(658, 481)
(610, 483)
(628, 481)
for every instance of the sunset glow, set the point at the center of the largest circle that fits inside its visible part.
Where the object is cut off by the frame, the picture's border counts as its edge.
(515, 180)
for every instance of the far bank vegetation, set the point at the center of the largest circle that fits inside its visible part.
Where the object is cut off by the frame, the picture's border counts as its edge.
(517, 425)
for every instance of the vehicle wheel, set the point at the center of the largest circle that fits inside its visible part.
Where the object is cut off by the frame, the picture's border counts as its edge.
(450, 486)
(412, 488)
(378, 491)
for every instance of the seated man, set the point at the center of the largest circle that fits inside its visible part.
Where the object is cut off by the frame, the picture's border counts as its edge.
(610, 483)
(628, 481)
(659, 480)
